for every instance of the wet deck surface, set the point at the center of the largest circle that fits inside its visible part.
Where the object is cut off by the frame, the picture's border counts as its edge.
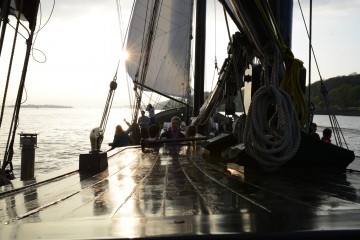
(176, 192)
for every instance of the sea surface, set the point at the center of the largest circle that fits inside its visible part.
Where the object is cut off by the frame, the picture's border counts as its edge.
(63, 133)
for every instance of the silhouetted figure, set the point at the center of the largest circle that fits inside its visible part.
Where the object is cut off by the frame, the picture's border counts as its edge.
(143, 122)
(174, 131)
(312, 131)
(121, 138)
(154, 132)
(326, 135)
(190, 131)
(151, 111)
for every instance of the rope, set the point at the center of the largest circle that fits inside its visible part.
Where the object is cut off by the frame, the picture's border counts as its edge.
(15, 120)
(10, 68)
(337, 132)
(339, 137)
(272, 141)
(10, 142)
(290, 82)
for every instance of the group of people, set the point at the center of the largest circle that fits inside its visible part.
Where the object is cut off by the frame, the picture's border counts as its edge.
(151, 130)
(326, 133)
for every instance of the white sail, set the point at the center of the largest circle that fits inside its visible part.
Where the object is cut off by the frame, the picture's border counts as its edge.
(168, 66)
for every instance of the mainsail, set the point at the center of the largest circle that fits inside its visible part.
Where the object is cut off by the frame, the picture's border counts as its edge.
(159, 46)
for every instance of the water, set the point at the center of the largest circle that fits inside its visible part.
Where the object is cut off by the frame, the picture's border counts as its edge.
(350, 127)
(63, 133)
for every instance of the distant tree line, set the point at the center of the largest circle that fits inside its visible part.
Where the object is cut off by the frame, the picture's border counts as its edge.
(342, 91)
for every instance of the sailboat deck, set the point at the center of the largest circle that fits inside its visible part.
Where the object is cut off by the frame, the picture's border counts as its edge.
(176, 192)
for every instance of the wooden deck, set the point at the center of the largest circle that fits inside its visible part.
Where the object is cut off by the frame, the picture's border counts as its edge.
(176, 193)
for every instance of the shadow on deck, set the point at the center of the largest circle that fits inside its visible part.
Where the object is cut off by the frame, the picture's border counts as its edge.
(177, 192)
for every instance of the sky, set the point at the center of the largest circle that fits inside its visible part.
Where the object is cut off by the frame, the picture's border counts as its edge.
(77, 51)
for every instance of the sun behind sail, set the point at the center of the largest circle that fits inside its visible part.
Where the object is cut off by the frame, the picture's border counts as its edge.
(159, 46)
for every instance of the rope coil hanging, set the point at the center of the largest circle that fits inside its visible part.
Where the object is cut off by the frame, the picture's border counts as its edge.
(271, 141)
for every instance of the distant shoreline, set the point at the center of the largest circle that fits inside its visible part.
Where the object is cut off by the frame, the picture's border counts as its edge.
(42, 106)
(338, 112)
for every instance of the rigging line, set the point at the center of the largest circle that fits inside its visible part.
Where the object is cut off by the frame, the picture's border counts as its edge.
(19, 32)
(15, 120)
(333, 121)
(292, 65)
(213, 79)
(311, 46)
(227, 24)
(118, 8)
(228, 31)
(113, 86)
(123, 42)
(157, 100)
(130, 96)
(169, 97)
(3, 22)
(137, 99)
(215, 27)
(215, 48)
(40, 28)
(47, 21)
(109, 101)
(108, 104)
(146, 50)
(310, 41)
(321, 79)
(9, 69)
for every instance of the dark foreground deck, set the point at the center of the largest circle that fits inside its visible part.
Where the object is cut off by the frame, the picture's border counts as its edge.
(176, 193)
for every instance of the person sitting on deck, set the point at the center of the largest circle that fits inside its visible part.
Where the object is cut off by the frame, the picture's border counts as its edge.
(312, 131)
(121, 139)
(190, 131)
(326, 135)
(151, 141)
(174, 131)
(154, 132)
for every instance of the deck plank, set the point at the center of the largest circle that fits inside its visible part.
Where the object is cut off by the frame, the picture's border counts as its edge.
(177, 191)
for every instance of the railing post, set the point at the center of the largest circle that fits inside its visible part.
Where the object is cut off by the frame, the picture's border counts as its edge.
(28, 143)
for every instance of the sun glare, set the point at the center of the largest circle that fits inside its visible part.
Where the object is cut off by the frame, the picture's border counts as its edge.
(124, 55)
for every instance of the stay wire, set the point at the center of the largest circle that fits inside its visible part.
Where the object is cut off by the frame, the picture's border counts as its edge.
(113, 83)
(9, 69)
(311, 46)
(15, 120)
(332, 118)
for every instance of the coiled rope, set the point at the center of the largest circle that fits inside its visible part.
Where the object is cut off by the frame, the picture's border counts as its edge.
(272, 141)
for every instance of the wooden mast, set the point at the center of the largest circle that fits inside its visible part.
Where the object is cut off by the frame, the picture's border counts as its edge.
(200, 38)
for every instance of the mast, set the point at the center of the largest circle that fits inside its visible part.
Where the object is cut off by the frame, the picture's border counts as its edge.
(283, 12)
(199, 55)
